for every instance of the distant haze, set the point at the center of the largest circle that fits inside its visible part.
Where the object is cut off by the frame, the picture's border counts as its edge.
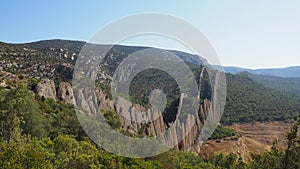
(289, 72)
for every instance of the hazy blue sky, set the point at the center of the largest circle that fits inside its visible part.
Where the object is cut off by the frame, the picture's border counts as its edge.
(253, 34)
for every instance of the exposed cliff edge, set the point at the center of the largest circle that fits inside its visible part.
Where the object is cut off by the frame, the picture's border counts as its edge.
(52, 66)
(183, 134)
(46, 88)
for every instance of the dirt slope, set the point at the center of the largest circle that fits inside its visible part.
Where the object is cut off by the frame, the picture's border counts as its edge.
(256, 137)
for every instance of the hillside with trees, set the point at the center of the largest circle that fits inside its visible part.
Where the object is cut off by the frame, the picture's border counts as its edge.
(290, 86)
(40, 132)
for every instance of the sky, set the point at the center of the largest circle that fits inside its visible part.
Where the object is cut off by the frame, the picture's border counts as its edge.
(250, 34)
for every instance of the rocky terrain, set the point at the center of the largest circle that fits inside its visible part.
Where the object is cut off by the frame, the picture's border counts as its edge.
(52, 68)
(48, 67)
(256, 137)
(64, 92)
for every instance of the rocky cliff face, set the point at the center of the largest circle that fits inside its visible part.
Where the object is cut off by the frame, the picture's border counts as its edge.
(155, 127)
(53, 66)
(46, 88)
(65, 93)
(186, 131)
(183, 134)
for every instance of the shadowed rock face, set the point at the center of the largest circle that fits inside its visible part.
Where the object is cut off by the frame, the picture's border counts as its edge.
(65, 69)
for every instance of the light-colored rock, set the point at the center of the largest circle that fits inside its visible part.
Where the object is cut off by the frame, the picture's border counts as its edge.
(65, 93)
(46, 88)
(103, 100)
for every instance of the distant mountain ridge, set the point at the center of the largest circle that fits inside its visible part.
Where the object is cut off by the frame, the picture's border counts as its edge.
(290, 86)
(288, 72)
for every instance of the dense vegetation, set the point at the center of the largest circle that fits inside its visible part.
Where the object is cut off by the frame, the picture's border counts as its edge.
(223, 132)
(286, 85)
(247, 100)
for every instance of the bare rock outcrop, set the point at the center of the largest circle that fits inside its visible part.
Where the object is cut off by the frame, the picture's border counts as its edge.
(139, 121)
(91, 101)
(103, 101)
(46, 88)
(65, 93)
(183, 133)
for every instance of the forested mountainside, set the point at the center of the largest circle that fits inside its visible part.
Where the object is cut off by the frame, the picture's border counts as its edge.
(247, 99)
(36, 110)
(43, 133)
(286, 85)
